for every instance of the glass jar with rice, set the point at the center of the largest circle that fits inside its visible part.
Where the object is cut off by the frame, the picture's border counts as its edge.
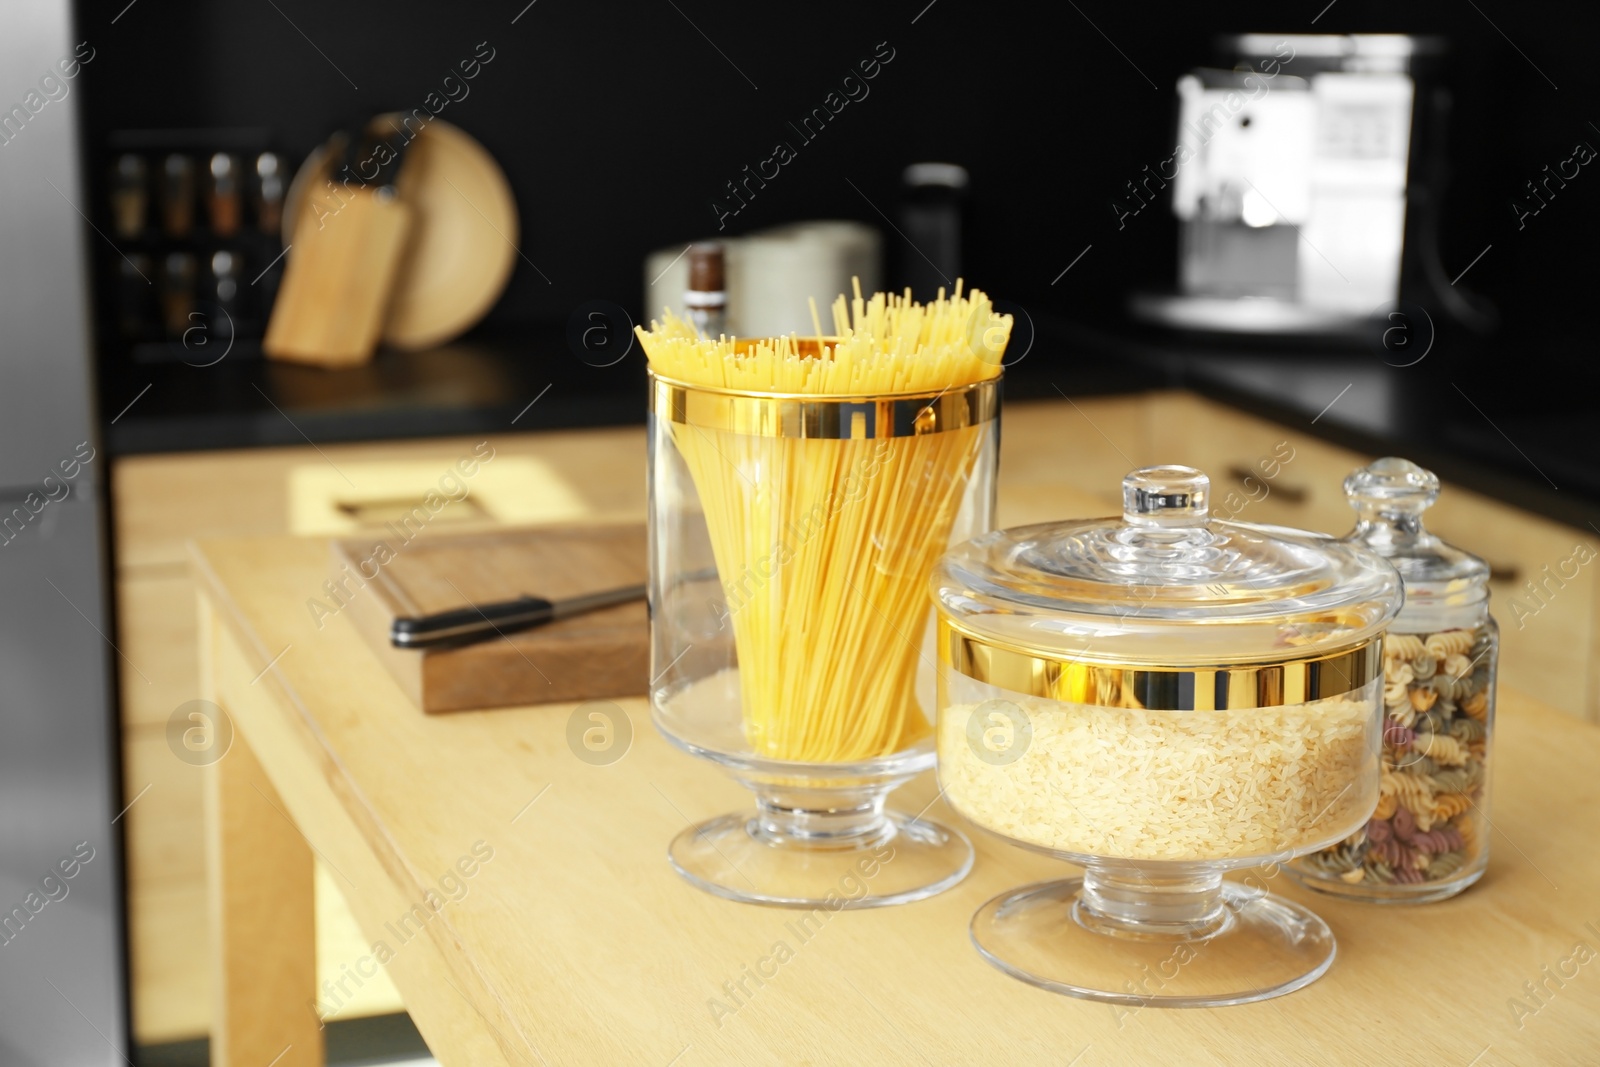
(1161, 699)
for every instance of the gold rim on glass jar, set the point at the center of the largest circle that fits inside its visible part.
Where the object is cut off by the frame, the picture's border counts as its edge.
(829, 418)
(1209, 688)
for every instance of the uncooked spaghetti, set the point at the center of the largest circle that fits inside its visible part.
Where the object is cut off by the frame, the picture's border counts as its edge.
(824, 545)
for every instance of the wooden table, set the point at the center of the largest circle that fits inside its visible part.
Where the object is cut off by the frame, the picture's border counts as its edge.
(573, 942)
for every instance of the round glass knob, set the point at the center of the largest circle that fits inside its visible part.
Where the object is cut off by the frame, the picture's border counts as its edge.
(1166, 496)
(1392, 485)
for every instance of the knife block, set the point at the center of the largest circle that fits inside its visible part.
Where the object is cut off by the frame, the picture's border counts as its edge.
(336, 286)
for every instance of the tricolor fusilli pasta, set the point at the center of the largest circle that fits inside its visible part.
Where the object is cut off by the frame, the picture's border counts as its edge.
(1437, 721)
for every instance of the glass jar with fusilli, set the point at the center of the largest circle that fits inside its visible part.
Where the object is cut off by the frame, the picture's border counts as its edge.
(1428, 838)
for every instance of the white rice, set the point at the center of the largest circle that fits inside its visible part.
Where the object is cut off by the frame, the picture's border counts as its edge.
(1164, 785)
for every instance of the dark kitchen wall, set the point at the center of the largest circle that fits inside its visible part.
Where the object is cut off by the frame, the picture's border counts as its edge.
(620, 123)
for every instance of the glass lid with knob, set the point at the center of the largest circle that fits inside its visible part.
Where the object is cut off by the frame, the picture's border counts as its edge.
(1167, 585)
(1445, 587)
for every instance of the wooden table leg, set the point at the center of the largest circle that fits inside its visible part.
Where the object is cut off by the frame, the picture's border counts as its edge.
(263, 921)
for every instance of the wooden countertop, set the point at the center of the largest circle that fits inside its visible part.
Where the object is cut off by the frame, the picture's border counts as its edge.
(577, 944)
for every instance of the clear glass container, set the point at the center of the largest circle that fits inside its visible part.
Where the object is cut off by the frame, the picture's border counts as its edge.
(790, 542)
(1161, 699)
(1429, 837)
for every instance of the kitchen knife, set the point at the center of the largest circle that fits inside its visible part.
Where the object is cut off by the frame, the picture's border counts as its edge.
(462, 626)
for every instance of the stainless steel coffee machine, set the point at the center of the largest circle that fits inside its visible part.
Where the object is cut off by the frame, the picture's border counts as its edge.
(1291, 176)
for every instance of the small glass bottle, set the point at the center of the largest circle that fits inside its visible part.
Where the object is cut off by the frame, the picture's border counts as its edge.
(1429, 838)
(706, 299)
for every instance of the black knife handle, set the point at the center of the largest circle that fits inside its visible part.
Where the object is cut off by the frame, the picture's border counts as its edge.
(464, 624)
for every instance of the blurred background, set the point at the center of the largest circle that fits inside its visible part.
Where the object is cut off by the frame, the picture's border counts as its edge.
(617, 136)
(620, 140)
(1373, 244)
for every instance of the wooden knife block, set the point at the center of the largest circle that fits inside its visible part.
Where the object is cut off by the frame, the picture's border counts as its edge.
(598, 655)
(330, 307)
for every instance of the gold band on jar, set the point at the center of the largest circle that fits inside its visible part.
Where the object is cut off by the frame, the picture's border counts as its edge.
(828, 417)
(1260, 685)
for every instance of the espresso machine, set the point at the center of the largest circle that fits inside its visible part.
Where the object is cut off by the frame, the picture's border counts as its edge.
(1304, 174)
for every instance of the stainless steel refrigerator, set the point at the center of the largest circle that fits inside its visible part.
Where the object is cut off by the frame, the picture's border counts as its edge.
(63, 981)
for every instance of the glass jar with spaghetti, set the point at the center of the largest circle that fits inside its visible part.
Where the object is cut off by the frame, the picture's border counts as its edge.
(800, 492)
(1429, 837)
(1161, 699)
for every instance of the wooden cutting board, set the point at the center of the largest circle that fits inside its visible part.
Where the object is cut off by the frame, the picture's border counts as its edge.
(601, 654)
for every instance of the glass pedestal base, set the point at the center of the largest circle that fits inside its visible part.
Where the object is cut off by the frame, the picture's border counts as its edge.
(821, 835)
(1241, 946)
(888, 858)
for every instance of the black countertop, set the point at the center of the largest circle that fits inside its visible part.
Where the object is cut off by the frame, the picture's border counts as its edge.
(1502, 432)
(486, 383)
(1525, 440)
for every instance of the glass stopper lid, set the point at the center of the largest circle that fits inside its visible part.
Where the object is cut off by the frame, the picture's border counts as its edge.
(1445, 586)
(1390, 496)
(1166, 584)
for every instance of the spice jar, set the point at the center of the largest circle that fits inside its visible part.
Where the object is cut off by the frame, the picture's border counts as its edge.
(1161, 699)
(1429, 837)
